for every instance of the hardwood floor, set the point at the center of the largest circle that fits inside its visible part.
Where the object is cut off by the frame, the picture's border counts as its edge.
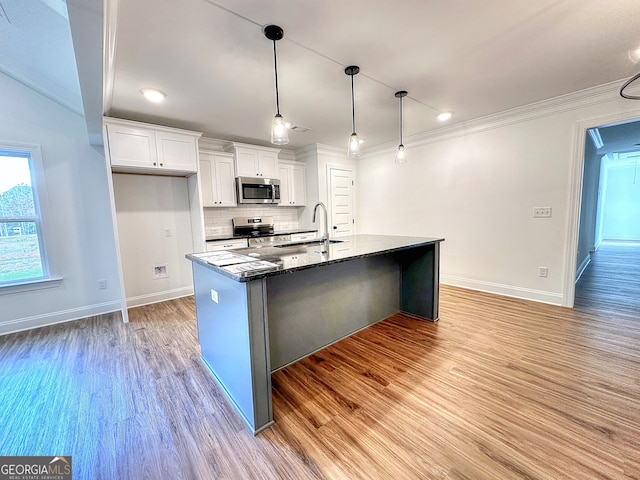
(498, 389)
(611, 282)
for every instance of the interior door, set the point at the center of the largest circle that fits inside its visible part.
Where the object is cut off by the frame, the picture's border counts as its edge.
(341, 201)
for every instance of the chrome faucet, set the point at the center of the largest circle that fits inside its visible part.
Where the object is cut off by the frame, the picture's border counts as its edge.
(325, 237)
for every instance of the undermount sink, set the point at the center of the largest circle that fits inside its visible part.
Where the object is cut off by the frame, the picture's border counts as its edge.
(304, 244)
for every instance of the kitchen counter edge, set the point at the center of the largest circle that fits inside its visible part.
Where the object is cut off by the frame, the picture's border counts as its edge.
(408, 243)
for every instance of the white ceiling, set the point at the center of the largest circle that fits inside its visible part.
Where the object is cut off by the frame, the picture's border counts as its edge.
(211, 58)
(36, 49)
(472, 57)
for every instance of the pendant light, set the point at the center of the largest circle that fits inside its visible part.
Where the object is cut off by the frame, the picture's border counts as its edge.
(353, 149)
(279, 134)
(401, 156)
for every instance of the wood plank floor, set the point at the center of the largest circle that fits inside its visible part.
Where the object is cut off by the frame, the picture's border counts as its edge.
(498, 389)
(611, 282)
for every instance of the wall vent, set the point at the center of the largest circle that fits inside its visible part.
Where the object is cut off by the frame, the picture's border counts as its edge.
(299, 128)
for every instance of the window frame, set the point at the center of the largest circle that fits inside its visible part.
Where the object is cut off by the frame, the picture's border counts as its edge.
(42, 217)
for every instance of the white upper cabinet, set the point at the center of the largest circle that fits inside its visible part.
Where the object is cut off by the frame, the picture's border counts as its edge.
(293, 184)
(253, 161)
(217, 179)
(144, 148)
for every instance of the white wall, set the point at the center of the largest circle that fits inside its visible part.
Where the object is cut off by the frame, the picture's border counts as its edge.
(154, 227)
(621, 216)
(476, 185)
(317, 157)
(83, 248)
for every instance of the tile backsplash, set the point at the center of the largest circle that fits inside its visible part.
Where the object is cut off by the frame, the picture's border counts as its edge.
(217, 221)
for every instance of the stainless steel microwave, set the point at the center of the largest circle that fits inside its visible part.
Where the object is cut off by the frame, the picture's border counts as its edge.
(258, 190)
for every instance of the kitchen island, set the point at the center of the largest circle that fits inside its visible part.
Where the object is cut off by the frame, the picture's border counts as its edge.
(261, 309)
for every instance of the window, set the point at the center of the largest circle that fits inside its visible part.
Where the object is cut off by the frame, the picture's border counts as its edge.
(22, 253)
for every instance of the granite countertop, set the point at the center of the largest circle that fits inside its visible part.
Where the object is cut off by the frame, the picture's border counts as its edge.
(231, 236)
(291, 258)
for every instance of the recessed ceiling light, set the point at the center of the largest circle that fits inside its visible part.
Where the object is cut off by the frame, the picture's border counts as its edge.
(153, 95)
(444, 116)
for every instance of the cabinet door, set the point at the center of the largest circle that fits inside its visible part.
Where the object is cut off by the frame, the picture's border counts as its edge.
(224, 176)
(285, 190)
(206, 179)
(268, 164)
(298, 185)
(247, 162)
(176, 152)
(131, 147)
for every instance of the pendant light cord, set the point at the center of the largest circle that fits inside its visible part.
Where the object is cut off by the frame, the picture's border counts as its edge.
(353, 108)
(400, 120)
(275, 68)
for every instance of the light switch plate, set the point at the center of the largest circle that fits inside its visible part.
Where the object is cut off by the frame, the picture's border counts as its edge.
(214, 295)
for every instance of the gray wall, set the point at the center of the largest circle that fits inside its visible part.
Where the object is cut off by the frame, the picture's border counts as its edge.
(589, 205)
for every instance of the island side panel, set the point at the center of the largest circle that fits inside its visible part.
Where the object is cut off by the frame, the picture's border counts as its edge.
(311, 309)
(228, 336)
(420, 281)
(260, 362)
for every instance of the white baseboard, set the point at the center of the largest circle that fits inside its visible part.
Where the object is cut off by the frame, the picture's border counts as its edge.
(585, 263)
(62, 316)
(505, 290)
(150, 298)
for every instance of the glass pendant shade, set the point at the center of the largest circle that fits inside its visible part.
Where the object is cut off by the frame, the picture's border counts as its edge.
(401, 156)
(354, 145)
(279, 134)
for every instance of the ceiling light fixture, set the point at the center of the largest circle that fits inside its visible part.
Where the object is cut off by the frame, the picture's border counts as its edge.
(626, 84)
(401, 156)
(153, 94)
(279, 135)
(444, 116)
(354, 142)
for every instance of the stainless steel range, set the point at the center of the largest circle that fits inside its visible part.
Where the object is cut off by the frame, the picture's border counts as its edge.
(259, 230)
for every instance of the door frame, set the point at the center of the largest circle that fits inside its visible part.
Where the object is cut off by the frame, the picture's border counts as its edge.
(574, 203)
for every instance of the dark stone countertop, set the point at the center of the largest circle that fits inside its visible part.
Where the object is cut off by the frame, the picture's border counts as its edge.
(294, 257)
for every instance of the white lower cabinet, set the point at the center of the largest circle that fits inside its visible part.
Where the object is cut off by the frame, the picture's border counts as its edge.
(304, 237)
(293, 184)
(217, 179)
(227, 244)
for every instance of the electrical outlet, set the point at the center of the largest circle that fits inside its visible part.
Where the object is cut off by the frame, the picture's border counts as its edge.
(541, 212)
(102, 284)
(168, 232)
(543, 272)
(160, 271)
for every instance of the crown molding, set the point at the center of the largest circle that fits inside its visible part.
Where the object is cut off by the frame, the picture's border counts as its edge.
(40, 83)
(563, 103)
